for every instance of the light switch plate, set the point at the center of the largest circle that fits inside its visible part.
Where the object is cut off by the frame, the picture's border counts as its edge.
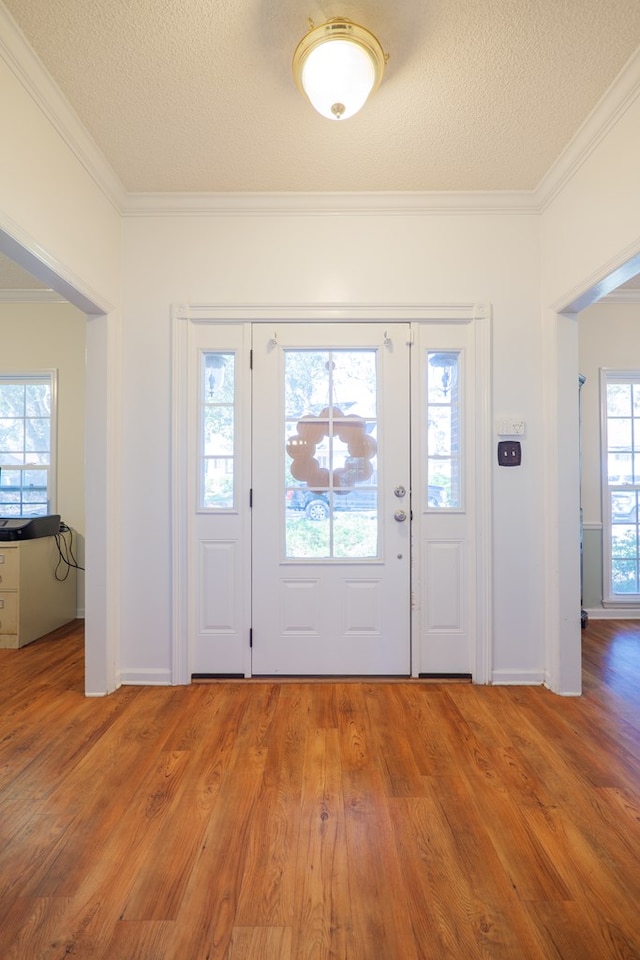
(509, 453)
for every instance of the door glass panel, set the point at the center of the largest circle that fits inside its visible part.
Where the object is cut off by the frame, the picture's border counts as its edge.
(444, 435)
(217, 433)
(331, 454)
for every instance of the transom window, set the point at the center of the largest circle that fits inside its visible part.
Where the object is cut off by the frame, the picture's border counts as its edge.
(27, 444)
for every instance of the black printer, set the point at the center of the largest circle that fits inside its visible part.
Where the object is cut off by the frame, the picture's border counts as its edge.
(29, 528)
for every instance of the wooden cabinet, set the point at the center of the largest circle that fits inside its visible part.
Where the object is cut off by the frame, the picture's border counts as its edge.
(32, 600)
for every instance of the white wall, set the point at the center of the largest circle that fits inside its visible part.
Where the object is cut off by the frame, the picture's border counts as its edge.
(609, 336)
(51, 198)
(349, 259)
(593, 225)
(54, 213)
(37, 336)
(588, 231)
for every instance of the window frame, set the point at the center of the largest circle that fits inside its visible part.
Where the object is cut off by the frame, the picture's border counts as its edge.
(202, 508)
(327, 446)
(609, 598)
(457, 407)
(26, 377)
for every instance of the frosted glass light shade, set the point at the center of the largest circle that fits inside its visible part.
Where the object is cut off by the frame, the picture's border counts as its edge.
(337, 65)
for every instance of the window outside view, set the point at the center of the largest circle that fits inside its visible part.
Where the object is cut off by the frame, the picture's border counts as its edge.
(331, 454)
(622, 444)
(25, 446)
(217, 417)
(444, 452)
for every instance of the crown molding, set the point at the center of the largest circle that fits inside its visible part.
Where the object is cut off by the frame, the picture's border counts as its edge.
(328, 204)
(31, 296)
(615, 102)
(41, 86)
(335, 310)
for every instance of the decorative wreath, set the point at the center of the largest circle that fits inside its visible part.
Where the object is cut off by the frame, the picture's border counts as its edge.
(351, 429)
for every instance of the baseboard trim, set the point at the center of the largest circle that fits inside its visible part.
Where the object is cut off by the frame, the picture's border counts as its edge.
(518, 677)
(614, 613)
(145, 677)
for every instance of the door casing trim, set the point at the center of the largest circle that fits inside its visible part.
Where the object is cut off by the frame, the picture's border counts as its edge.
(184, 314)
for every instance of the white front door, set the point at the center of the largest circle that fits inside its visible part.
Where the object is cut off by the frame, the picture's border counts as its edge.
(331, 500)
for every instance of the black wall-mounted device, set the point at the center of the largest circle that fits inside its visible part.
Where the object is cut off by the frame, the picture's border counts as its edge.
(509, 453)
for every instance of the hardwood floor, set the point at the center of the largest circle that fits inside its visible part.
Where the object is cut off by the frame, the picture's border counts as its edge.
(368, 821)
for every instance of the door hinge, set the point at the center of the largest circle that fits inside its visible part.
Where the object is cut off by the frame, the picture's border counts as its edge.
(250, 636)
(250, 359)
(250, 497)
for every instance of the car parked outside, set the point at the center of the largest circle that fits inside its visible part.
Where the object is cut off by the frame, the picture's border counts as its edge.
(624, 506)
(361, 499)
(316, 504)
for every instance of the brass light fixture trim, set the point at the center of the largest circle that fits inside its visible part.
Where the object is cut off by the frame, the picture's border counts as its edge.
(337, 65)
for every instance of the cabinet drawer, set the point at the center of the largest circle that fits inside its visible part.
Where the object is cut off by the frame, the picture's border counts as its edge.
(8, 613)
(8, 568)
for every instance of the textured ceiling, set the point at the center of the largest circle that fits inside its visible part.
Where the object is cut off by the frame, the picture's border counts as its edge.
(197, 95)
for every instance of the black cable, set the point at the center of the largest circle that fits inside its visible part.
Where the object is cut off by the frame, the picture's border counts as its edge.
(65, 553)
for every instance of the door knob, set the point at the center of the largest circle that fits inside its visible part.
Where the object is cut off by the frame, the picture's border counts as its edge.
(400, 516)
(400, 491)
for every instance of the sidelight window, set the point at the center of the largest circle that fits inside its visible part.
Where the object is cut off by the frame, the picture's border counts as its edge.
(217, 431)
(443, 424)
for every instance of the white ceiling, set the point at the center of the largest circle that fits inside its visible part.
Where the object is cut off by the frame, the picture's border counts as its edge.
(197, 95)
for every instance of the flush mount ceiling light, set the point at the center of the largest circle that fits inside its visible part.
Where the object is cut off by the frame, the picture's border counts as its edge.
(337, 65)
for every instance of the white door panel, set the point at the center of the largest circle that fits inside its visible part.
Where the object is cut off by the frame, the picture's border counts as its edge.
(331, 564)
(218, 492)
(444, 500)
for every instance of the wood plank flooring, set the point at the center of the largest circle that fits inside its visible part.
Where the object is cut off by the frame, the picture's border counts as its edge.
(358, 821)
